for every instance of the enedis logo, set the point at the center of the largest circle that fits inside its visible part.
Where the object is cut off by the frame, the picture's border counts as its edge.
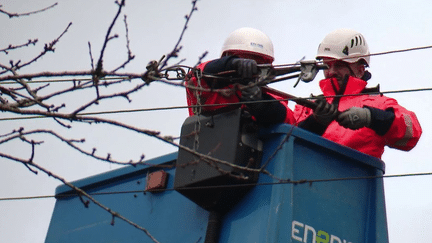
(300, 232)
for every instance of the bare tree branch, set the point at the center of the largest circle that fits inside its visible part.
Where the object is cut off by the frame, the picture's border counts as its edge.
(99, 66)
(11, 15)
(130, 55)
(47, 48)
(177, 47)
(91, 56)
(13, 47)
(21, 134)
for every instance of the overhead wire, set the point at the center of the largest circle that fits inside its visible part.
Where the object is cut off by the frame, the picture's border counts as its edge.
(286, 181)
(207, 105)
(276, 65)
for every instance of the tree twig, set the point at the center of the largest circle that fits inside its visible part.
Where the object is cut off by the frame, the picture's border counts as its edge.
(177, 47)
(13, 47)
(47, 48)
(11, 15)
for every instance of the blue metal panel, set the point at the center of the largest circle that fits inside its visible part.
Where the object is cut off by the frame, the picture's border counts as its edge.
(168, 216)
(332, 211)
(116, 175)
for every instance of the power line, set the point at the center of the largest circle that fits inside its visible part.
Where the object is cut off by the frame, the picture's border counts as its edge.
(401, 50)
(103, 112)
(276, 65)
(207, 105)
(287, 181)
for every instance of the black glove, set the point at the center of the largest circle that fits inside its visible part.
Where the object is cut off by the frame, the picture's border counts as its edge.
(325, 113)
(246, 68)
(355, 118)
(265, 113)
(251, 94)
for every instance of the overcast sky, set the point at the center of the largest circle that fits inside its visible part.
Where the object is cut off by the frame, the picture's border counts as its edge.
(296, 29)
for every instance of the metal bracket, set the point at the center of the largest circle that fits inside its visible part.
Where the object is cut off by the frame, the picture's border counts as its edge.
(308, 71)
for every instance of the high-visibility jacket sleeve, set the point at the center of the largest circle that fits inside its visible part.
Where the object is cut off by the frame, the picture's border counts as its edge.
(405, 131)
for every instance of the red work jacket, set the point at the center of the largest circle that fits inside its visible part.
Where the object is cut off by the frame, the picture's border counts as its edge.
(403, 134)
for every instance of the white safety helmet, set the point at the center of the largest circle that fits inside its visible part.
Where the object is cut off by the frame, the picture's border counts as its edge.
(345, 44)
(249, 40)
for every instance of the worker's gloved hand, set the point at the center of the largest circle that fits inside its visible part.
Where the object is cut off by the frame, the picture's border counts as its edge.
(325, 113)
(246, 68)
(355, 118)
(251, 94)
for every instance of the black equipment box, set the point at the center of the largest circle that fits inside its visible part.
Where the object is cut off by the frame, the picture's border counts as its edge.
(231, 137)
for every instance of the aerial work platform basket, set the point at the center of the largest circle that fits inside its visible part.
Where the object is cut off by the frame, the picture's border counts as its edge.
(317, 191)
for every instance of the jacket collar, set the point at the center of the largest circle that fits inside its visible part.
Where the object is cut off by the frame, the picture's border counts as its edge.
(354, 86)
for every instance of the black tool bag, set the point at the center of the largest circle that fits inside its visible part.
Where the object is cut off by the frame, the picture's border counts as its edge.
(230, 137)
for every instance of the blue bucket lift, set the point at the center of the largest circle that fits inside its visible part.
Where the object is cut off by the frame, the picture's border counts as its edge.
(318, 191)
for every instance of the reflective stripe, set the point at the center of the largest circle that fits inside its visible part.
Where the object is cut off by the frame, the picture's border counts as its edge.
(408, 131)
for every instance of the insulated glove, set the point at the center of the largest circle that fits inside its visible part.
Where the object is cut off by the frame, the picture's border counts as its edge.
(325, 113)
(246, 68)
(251, 94)
(355, 118)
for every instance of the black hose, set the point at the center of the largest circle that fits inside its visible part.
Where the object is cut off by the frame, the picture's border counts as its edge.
(213, 227)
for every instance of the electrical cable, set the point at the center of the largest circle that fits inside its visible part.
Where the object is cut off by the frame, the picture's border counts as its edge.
(210, 105)
(277, 65)
(287, 181)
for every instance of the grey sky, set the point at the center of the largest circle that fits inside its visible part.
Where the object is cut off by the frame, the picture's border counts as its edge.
(295, 27)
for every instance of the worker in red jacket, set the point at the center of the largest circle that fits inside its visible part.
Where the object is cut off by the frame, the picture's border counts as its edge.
(242, 51)
(352, 114)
